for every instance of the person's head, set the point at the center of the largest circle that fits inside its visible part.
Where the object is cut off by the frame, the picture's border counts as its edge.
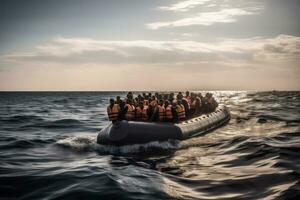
(129, 95)
(174, 103)
(112, 101)
(187, 93)
(207, 94)
(167, 103)
(118, 98)
(146, 102)
(179, 97)
(161, 102)
(140, 98)
(141, 104)
(122, 103)
(166, 96)
(153, 98)
(129, 101)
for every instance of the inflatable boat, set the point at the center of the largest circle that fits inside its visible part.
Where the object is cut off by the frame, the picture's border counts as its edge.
(135, 132)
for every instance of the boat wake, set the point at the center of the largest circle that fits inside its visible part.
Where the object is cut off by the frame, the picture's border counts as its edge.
(88, 143)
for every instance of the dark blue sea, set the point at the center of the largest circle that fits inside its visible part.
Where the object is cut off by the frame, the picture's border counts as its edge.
(48, 150)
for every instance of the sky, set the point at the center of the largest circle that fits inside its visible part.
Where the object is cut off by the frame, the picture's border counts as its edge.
(95, 45)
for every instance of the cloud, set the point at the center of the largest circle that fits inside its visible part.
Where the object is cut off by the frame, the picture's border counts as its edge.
(86, 50)
(208, 12)
(89, 64)
(204, 19)
(184, 5)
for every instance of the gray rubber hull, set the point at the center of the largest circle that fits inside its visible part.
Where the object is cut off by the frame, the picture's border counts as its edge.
(133, 132)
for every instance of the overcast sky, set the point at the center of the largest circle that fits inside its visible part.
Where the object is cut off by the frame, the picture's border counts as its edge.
(149, 45)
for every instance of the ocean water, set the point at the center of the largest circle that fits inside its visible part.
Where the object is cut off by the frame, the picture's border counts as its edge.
(48, 150)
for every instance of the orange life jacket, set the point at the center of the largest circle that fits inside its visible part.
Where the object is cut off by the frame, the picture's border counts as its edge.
(113, 112)
(130, 112)
(161, 113)
(168, 113)
(138, 113)
(188, 98)
(181, 112)
(145, 114)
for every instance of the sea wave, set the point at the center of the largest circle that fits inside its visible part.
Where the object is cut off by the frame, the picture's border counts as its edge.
(54, 154)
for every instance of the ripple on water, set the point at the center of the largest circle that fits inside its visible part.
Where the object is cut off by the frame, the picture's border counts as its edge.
(53, 154)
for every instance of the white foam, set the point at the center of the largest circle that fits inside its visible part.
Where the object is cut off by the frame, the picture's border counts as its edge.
(88, 143)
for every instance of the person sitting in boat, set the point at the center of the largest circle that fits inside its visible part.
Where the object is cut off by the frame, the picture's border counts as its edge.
(140, 98)
(187, 97)
(135, 102)
(118, 99)
(186, 106)
(123, 110)
(192, 106)
(139, 111)
(130, 95)
(180, 110)
(168, 111)
(144, 95)
(212, 103)
(145, 115)
(198, 107)
(179, 95)
(153, 102)
(175, 112)
(149, 96)
(205, 103)
(153, 116)
(161, 111)
(171, 97)
(165, 97)
(130, 111)
(153, 112)
(113, 111)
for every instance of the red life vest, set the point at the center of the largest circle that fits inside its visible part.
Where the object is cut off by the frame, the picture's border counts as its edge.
(161, 113)
(181, 112)
(130, 112)
(145, 114)
(113, 112)
(168, 112)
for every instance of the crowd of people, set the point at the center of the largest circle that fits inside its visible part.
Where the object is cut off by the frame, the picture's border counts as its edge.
(160, 107)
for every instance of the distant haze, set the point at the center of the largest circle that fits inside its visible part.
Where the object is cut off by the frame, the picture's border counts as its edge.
(149, 45)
